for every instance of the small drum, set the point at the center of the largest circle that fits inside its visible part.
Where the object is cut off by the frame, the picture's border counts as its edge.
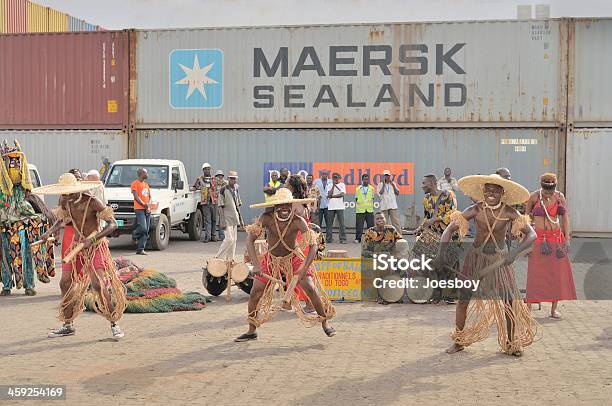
(214, 286)
(391, 294)
(240, 271)
(401, 249)
(419, 294)
(217, 267)
(428, 244)
(337, 254)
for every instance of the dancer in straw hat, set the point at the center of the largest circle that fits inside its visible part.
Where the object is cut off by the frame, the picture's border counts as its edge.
(489, 262)
(87, 259)
(285, 258)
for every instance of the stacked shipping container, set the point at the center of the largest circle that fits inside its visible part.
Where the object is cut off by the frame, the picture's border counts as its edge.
(470, 95)
(17, 16)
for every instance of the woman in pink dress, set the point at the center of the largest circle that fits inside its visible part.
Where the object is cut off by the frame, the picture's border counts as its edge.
(549, 275)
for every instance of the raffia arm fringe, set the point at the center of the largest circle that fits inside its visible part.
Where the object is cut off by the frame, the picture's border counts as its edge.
(519, 224)
(271, 300)
(106, 215)
(255, 229)
(73, 302)
(461, 222)
(60, 214)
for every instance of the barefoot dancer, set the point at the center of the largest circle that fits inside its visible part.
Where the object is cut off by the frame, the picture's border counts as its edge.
(488, 261)
(284, 258)
(80, 215)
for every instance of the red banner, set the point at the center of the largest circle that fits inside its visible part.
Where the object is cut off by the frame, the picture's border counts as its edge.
(402, 173)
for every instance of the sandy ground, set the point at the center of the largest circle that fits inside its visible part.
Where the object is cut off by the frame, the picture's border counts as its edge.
(382, 354)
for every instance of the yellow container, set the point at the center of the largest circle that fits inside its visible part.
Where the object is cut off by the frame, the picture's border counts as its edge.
(38, 20)
(2, 13)
(58, 21)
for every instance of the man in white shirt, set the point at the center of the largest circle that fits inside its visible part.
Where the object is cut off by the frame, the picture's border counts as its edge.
(388, 191)
(335, 208)
(94, 175)
(448, 183)
(324, 184)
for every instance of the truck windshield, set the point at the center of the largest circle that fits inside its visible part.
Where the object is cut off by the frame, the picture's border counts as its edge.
(34, 178)
(124, 175)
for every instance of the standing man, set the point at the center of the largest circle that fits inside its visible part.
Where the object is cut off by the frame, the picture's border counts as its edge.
(335, 208)
(142, 197)
(284, 176)
(94, 176)
(220, 182)
(80, 215)
(388, 192)
(488, 262)
(313, 193)
(272, 186)
(504, 173)
(437, 205)
(364, 206)
(324, 184)
(229, 216)
(207, 186)
(448, 182)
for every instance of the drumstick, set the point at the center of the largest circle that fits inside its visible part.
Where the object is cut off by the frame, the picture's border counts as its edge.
(77, 249)
(34, 244)
(290, 289)
(270, 278)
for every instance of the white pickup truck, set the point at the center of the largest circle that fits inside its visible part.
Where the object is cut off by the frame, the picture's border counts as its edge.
(176, 206)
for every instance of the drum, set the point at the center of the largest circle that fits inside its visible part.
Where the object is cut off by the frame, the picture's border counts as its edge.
(246, 285)
(419, 294)
(215, 286)
(389, 294)
(337, 254)
(428, 244)
(217, 267)
(401, 249)
(240, 271)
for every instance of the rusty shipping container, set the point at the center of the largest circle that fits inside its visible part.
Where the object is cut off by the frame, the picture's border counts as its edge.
(15, 15)
(591, 84)
(410, 153)
(453, 74)
(64, 80)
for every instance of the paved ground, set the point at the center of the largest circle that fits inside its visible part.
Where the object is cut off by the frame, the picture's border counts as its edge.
(382, 354)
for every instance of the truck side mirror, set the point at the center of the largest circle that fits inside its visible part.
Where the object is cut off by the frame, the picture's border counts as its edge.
(180, 184)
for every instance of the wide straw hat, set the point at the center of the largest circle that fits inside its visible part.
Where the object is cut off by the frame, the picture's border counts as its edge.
(67, 185)
(473, 186)
(232, 174)
(282, 196)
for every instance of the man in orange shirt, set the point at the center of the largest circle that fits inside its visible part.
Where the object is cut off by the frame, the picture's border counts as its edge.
(142, 196)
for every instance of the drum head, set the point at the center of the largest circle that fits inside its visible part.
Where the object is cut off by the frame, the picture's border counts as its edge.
(419, 295)
(217, 267)
(240, 271)
(389, 294)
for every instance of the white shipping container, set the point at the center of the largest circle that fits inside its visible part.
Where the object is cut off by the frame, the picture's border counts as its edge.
(487, 73)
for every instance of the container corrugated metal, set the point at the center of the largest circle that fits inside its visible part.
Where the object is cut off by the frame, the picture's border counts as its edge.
(56, 152)
(90, 27)
(70, 80)
(487, 73)
(75, 24)
(592, 80)
(2, 18)
(527, 152)
(16, 16)
(38, 18)
(58, 21)
(588, 165)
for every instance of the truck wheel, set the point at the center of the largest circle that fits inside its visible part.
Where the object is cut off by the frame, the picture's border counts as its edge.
(160, 236)
(194, 226)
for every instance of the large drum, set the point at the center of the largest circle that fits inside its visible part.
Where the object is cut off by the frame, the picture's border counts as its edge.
(214, 285)
(217, 267)
(337, 254)
(391, 294)
(240, 272)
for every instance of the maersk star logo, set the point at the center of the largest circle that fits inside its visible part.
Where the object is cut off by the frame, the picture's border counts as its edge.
(196, 78)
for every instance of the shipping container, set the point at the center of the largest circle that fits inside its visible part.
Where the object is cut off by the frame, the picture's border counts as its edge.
(409, 153)
(38, 18)
(76, 24)
(55, 152)
(91, 27)
(588, 165)
(592, 82)
(58, 21)
(15, 14)
(70, 80)
(456, 74)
